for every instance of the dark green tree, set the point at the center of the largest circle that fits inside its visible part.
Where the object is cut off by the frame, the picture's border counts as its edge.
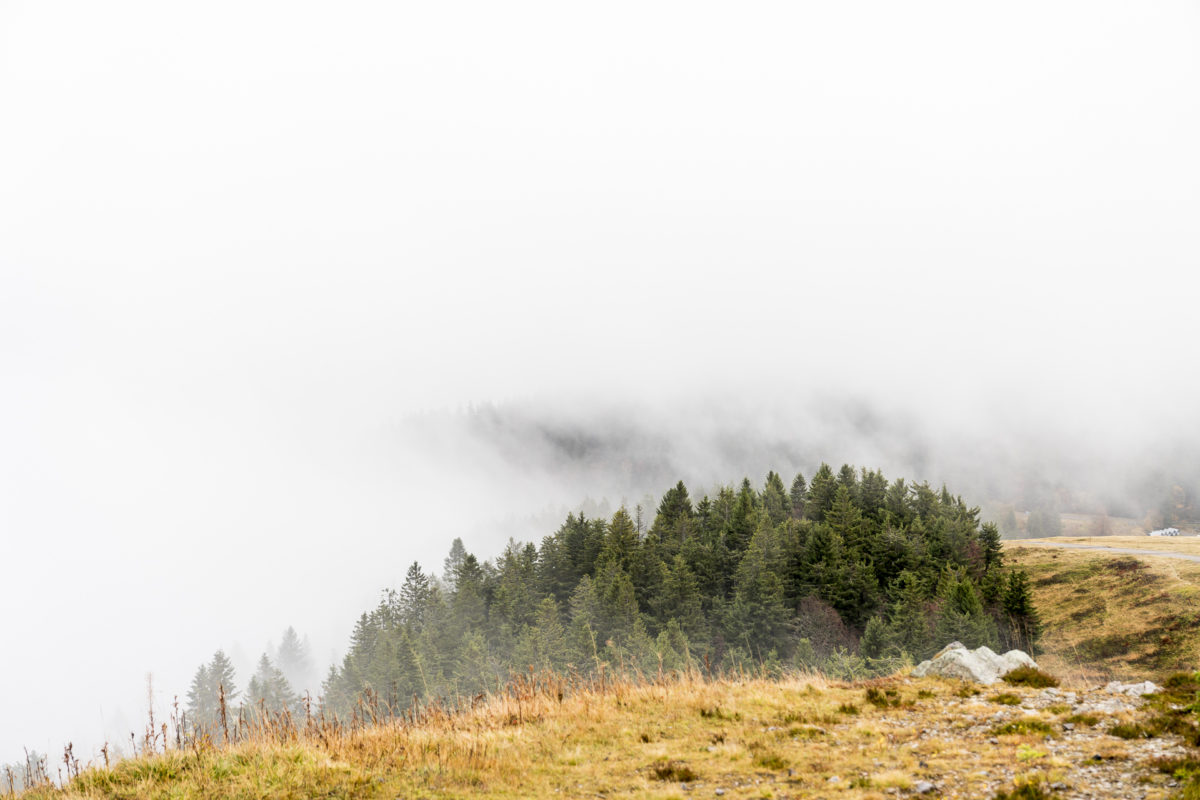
(820, 493)
(1023, 626)
(797, 496)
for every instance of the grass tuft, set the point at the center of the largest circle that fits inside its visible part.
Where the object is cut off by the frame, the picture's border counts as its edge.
(1023, 727)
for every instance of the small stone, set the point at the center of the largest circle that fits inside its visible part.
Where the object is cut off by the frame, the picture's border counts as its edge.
(993, 740)
(1068, 726)
(720, 792)
(1058, 786)
(923, 787)
(834, 779)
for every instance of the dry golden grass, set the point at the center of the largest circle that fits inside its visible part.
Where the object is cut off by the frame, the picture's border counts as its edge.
(1111, 615)
(681, 737)
(1187, 545)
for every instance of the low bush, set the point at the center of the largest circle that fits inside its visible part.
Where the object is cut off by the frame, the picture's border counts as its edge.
(1030, 676)
(1023, 727)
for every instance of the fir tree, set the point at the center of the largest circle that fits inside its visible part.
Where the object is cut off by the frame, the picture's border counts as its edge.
(201, 700)
(294, 660)
(820, 493)
(993, 550)
(1023, 625)
(221, 675)
(775, 499)
(797, 496)
(269, 689)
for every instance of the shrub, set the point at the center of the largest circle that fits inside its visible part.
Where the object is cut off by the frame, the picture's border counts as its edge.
(1029, 676)
(888, 699)
(1026, 791)
(1131, 730)
(1087, 720)
(1022, 727)
(673, 771)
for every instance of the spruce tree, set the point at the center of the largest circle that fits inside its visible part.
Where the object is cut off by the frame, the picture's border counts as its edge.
(221, 675)
(415, 595)
(450, 566)
(1023, 625)
(820, 493)
(993, 550)
(797, 496)
(775, 499)
(269, 689)
(294, 660)
(201, 700)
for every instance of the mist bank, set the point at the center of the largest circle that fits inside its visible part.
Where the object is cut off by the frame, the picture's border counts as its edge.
(614, 452)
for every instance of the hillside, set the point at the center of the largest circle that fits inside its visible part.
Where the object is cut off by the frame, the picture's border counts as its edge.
(1113, 615)
(690, 737)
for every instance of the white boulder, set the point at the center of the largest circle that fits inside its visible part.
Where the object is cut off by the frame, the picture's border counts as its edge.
(980, 665)
(1131, 689)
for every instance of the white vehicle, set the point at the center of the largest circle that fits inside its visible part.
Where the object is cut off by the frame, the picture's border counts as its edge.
(1165, 532)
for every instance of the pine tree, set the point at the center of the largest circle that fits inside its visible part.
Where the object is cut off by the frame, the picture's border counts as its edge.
(269, 689)
(744, 518)
(775, 499)
(848, 478)
(414, 596)
(201, 700)
(221, 675)
(844, 519)
(294, 660)
(872, 490)
(898, 503)
(680, 599)
(450, 566)
(1022, 623)
(877, 641)
(993, 550)
(617, 599)
(674, 505)
(962, 616)
(621, 539)
(797, 496)
(820, 493)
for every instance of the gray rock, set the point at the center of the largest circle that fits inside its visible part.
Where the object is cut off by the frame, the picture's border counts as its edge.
(923, 787)
(980, 665)
(1132, 689)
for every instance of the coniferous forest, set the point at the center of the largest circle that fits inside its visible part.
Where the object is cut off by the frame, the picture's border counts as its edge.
(848, 573)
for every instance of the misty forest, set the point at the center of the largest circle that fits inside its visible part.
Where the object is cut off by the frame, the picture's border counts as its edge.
(847, 573)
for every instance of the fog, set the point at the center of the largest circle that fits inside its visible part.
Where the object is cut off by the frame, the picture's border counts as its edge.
(291, 294)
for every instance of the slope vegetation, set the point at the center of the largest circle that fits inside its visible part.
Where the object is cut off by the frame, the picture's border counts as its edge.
(686, 736)
(1115, 615)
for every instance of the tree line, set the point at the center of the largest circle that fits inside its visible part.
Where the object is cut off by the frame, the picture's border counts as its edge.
(215, 688)
(847, 572)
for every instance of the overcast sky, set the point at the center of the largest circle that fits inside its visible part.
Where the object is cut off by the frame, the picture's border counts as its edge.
(240, 242)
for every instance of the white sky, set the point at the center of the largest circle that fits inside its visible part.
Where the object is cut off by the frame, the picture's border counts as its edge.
(240, 241)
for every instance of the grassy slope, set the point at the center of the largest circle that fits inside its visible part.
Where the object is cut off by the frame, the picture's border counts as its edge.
(1107, 616)
(690, 738)
(1112, 615)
